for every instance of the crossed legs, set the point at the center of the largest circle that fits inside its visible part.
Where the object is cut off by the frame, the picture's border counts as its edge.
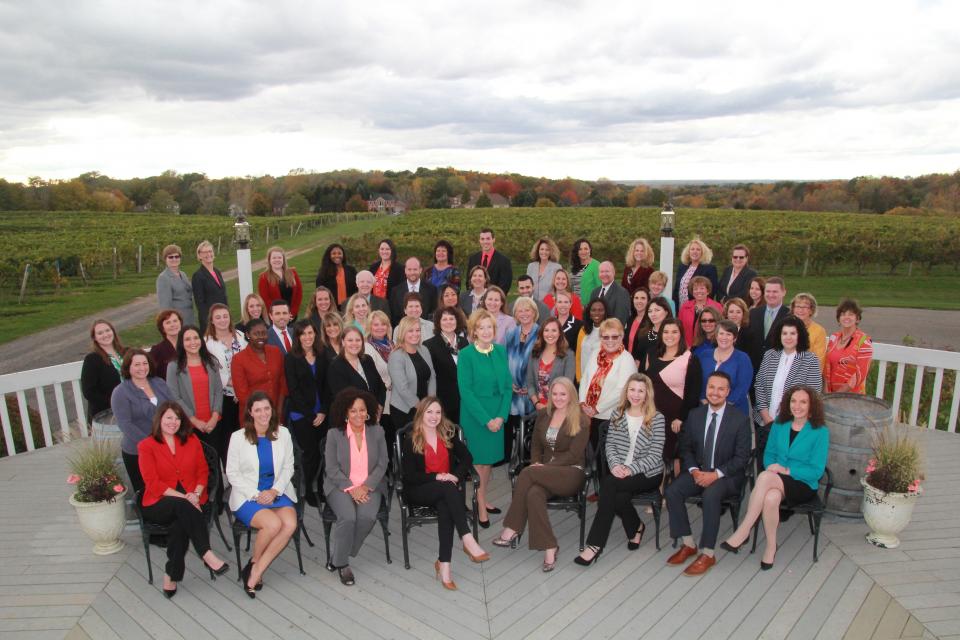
(764, 502)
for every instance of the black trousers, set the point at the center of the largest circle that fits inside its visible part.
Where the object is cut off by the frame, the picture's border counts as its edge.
(446, 498)
(132, 463)
(614, 499)
(684, 487)
(187, 524)
(308, 438)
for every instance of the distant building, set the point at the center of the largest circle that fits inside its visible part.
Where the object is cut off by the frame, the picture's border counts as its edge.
(386, 203)
(497, 200)
(455, 202)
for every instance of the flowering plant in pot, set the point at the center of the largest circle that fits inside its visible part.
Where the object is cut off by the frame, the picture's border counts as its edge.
(98, 498)
(891, 485)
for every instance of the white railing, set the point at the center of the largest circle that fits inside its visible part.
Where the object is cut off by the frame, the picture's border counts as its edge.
(37, 381)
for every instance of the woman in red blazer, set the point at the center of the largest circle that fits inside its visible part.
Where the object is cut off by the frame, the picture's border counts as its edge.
(280, 281)
(174, 472)
(259, 367)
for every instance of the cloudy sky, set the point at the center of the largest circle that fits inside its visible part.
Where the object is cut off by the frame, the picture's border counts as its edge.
(625, 90)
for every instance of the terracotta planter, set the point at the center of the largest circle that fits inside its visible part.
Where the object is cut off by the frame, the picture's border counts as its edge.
(103, 522)
(887, 514)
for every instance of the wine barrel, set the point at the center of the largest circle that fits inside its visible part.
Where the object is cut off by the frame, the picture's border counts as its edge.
(854, 421)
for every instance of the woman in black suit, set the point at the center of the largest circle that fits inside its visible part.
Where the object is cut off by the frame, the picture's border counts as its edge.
(735, 281)
(435, 461)
(334, 268)
(387, 273)
(209, 287)
(444, 347)
(100, 373)
(694, 261)
(353, 368)
(306, 371)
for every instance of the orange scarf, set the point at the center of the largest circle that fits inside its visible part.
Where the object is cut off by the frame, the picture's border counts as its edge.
(604, 364)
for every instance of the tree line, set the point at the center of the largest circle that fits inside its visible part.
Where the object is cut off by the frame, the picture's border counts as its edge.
(348, 190)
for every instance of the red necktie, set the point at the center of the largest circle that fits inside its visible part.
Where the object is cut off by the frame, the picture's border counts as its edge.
(485, 261)
(286, 341)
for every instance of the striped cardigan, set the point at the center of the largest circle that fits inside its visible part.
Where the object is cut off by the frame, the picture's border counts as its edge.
(804, 370)
(647, 450)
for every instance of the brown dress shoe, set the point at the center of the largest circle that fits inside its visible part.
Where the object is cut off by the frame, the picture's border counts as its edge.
(700, 566)
(682, 554)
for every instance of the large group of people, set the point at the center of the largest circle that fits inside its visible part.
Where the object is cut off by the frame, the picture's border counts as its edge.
(674, 387)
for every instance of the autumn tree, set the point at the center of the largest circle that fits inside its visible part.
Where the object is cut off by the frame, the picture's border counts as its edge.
(505, 187)
(356, 203)
(545, 202)
(259, 205)
(483, 202)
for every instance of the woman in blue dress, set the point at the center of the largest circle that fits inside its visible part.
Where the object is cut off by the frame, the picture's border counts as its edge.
(260, 470)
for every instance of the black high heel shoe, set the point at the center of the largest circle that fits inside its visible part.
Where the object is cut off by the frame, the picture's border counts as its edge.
(484, 524)
(586, 563)
(493, 511)
(633, 546)
(218, 572)
(169, 593)
(726, 546)
(766, 566)
(245, 578)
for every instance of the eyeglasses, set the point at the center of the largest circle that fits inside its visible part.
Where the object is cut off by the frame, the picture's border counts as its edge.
(611, 337)
(174, 256)
(739, 257)
(708, 321)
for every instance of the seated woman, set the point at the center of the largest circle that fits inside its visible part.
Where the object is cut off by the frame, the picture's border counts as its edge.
(435, 461)
(557, 454)
(260, 470)
(634, 454)
(795, 458)
(171, 461)
(354, 477)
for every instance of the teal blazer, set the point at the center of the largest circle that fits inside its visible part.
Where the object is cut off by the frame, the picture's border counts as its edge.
(806, 457)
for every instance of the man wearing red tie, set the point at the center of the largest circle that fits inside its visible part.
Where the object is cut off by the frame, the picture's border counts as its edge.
(280, 335)
(497, 265)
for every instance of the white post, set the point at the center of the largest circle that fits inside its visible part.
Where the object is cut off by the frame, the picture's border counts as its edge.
(666, 264)
(244, 273)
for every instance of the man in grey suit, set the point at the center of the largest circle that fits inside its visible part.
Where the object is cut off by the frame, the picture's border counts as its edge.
(715, 451)
(616, 297)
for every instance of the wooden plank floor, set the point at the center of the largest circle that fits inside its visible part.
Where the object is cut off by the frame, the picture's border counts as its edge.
(51, 586)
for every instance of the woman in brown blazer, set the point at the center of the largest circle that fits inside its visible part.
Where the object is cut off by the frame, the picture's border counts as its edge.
(557, 449)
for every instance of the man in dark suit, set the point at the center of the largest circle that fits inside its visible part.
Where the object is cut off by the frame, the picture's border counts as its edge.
(497, 265)
(208, 285)
(616, 297)
(412, 284)
(279, 334)
(765, 319)
(715, 451)
(365, 281)
(740, 285)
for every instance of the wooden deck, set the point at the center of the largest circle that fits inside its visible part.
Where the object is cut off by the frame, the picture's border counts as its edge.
(51, 586)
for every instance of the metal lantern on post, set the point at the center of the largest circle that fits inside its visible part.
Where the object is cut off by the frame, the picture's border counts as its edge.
(241, 235)
(667, 224)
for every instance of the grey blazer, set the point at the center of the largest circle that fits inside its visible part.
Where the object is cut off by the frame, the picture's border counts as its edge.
(403, 394)
(134, 411)
(336, 468)
(176, 292)
(181, 389)
(618, 302)
(562, 367)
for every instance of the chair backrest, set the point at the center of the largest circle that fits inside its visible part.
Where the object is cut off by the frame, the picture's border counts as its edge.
(213, 469)
(298, 480)
(397, 467)
(524, 439)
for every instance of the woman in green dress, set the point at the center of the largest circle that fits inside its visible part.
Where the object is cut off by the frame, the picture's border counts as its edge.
(486, 388)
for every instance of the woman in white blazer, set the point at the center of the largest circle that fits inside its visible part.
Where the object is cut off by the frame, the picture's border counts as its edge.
(260, 471)
(604, 376)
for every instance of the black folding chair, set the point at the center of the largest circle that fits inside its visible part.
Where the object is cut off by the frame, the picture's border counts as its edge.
(415, 515)
(329, 518)
(731, 503)
(814, 510)
(209, 510)
(299, 482)
(576, 503)
(652, 498)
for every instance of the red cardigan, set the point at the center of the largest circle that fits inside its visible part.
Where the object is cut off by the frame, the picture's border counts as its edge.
(250, 374)
(162, 470)
(687, 316)
(270, 292)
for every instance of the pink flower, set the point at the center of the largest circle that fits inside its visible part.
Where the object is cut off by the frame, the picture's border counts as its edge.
(914, 486)
(871, 465)
(73, 478)
(118, 488)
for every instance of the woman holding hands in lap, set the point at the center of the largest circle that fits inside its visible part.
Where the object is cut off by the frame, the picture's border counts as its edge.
(435, 461)
(795, 458)
(634, 454)
(486, 389)
(260, 470)
(175, 474)
(354, 478)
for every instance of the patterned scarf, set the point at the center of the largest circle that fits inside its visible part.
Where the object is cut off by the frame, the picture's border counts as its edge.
(604, 364)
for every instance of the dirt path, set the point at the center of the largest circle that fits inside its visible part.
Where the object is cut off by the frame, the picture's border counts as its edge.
(70, 342)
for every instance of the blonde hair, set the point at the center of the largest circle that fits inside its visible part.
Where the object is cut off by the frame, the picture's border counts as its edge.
(707, 253)
(244, 315)
(378, 315)
(445, 430)
(647, 253)
(348, 316)
(658, 277)
(553, 283)
(612, 323)
(554, 249)
(809, 299)
(476, 318)
(206, 244)
(740, 304)
(649, 408)
(403, 328)
(285, 270)
(522, 302)
(572, 421)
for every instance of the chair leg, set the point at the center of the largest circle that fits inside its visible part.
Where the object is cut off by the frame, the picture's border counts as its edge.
(326, 538)
(404, 532)
(216, 520)
(306, 535)
(386, 539)
(810, 522)
(236, 547)
(583, 526)
(656, 524)
(296, 544)
(146, 552)
(248, 540)
(756, 535)
(816, 535)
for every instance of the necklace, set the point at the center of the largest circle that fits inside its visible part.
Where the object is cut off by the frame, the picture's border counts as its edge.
(484, 350)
